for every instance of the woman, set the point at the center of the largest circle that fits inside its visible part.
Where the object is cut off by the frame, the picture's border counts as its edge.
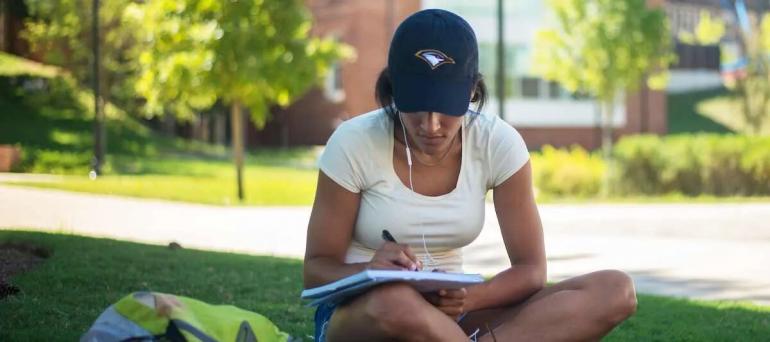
(420, 167)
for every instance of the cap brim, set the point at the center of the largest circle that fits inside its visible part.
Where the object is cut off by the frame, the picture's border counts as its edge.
(416, 93)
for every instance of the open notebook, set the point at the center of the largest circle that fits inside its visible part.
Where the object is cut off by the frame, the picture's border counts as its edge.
(339, 290)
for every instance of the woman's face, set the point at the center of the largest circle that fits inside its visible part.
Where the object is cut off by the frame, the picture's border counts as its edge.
(431, 132)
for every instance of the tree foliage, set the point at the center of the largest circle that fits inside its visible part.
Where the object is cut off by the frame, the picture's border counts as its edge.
(59, 32)
(245, 53)
(751, 83)
(253, 52)
(604, 47)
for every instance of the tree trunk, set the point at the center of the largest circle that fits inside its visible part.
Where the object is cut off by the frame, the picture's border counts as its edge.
(205, 128)
(220, 128)
(747, 108)
(195, 126)
(237, 144)
(99, 134)
(169, 124)
(608, 111)
(285, 130)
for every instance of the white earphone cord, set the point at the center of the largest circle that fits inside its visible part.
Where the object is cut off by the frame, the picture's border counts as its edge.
(411, 185)
(408, 152)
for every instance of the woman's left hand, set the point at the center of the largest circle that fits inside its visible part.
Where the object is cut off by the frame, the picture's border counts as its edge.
(450, 302)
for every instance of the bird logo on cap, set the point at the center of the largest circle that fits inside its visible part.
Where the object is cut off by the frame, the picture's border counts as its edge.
(434, 58)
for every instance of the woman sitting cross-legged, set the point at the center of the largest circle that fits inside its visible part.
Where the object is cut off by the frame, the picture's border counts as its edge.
(421, 167)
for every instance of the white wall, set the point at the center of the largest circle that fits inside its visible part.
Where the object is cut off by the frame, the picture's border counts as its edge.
(683, 81)
(523, 19)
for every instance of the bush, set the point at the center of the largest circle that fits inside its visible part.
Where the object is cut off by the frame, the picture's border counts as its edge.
(570, 172)
(690, 165)
(701, 164)
(56, 162)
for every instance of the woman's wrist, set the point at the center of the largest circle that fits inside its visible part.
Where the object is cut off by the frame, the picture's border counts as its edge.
(473, 298)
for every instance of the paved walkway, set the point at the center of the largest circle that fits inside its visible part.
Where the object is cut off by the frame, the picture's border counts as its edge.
(710, 251)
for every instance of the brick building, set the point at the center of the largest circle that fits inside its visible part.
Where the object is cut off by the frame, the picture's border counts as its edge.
(540, 110)
(349, 89)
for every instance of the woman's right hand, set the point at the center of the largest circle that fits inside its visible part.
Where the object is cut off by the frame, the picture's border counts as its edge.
(394, 256)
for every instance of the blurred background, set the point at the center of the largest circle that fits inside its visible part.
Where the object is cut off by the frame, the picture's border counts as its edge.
(165, 98)
(199, 122)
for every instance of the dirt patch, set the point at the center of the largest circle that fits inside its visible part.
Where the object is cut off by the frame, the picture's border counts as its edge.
(17, 258)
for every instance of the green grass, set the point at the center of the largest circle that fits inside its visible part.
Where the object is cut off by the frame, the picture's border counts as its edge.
(56, 133)
(144, 164)
(726, 110)
(46, 113)
(276, 186)
(713, 111)
(263, 185)
(54, 128)
(11, 65)
(84, 275)
(684, 115)
(662, 199)
(61, 298)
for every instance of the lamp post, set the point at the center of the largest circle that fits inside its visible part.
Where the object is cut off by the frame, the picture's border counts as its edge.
(501, 58)
(99, 134)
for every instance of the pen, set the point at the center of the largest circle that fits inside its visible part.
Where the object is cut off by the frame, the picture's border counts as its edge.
(389, 237)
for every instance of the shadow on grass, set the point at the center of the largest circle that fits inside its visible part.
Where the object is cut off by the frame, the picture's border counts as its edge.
(660, 318)
(654, 281)
(683, 116)
(661, 284)
(675, 319)
(59, 139)
(85, 275)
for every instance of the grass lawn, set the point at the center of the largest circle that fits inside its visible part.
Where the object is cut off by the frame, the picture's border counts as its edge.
(714, 111)
(145, 164)
(726, 110)
(660, 199)
(263, 185)
(55, 135)
(11, 65)
(83, 276)
(54, 129)
(685, 115)
(284, 186)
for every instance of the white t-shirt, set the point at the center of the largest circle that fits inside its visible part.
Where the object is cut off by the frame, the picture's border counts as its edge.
(359, 157)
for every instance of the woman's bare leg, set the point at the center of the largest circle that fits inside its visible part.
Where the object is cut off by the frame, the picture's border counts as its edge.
(392, 312)
(583, 308)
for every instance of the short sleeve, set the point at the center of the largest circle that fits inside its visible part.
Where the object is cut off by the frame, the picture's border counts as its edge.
(507, 153)
(340, 160)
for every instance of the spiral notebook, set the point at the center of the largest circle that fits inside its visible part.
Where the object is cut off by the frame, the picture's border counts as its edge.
(358, 283)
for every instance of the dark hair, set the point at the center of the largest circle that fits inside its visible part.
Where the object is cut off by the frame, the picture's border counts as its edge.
(383, 93)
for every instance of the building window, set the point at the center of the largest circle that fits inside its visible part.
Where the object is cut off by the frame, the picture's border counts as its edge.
(333, 87)
(530, 87)
(555, 91)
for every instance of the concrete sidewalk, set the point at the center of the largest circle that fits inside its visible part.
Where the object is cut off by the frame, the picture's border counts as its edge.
(710, 251)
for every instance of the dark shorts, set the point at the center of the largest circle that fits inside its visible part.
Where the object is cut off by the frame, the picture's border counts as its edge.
(323, 314)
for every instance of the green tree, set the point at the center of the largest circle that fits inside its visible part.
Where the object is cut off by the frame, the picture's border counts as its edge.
(604, 48)
(59, 32)
(248, 53)
(752, 87)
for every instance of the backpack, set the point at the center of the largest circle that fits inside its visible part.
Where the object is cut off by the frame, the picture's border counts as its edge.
(153, 316)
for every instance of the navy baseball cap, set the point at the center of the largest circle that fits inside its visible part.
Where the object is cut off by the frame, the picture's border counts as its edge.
(433, 62)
